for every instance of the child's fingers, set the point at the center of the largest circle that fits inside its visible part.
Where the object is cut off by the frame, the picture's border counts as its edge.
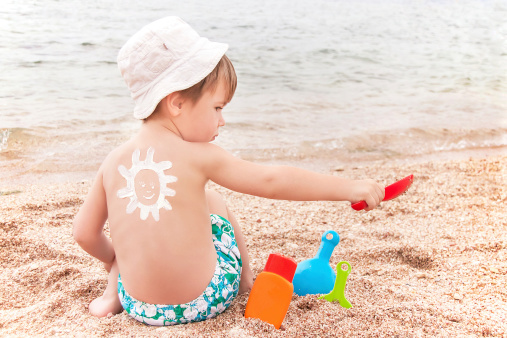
(382, 192)
(108, 266)
(376, 197)
(372, 200)
(372, 194)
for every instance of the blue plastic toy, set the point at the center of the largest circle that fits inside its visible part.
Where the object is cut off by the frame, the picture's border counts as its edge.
(315, 276)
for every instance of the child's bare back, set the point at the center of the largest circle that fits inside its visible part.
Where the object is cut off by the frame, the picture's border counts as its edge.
(160, 225)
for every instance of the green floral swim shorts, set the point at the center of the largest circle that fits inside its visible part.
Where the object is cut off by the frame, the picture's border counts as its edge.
(217, 296)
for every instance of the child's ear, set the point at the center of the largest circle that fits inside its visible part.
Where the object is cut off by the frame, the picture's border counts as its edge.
(174, 103)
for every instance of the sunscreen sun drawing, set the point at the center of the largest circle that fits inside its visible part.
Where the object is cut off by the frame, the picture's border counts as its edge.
(147, 185)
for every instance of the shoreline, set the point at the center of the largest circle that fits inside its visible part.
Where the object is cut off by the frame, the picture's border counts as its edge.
(12, 181)
(432, 262)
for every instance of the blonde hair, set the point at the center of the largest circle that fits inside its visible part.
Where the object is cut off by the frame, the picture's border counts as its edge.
(224, 71)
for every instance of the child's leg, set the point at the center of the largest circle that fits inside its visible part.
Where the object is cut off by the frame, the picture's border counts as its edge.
(217, 205)
(108, 303)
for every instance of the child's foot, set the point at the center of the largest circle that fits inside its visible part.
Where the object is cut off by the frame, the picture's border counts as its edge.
(105, 306)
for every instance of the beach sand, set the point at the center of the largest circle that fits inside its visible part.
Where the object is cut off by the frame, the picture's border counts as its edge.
(432, 262)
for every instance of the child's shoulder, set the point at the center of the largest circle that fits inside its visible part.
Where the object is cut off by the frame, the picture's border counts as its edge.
(183, 156)
(111, 159)
(117, 153)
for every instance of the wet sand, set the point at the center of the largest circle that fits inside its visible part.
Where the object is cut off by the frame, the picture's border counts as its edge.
(432, 262)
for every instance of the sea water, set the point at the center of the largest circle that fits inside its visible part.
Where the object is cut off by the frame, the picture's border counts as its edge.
(335, 81)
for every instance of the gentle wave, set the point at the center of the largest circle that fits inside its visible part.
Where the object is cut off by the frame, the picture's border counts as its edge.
(39, 151)
(383, 145)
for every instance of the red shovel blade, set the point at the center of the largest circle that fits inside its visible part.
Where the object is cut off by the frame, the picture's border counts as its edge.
(391, 191)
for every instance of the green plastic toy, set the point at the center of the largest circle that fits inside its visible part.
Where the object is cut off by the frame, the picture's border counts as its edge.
(338, 292)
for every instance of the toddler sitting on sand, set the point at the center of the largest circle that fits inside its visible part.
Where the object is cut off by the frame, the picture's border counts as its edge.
(177, 253)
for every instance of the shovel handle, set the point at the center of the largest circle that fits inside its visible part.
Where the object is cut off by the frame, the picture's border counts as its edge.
(359, 205)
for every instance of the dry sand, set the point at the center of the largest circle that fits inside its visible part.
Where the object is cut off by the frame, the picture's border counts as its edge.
(432, 262)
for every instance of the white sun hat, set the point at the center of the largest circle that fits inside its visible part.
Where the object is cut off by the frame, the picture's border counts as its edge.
(164, 57)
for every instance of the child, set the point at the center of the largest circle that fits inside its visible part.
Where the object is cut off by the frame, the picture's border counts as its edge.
(167, 263)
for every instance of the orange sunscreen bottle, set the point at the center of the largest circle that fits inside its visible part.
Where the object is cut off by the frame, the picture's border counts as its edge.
(271, 293)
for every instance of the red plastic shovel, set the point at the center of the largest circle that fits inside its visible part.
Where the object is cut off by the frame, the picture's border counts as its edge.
(392, 191)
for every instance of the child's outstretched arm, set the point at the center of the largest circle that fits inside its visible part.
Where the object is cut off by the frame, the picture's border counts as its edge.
(288, 183)
(89, 224)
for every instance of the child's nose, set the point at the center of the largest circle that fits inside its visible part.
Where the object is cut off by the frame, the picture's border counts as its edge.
(221, 121)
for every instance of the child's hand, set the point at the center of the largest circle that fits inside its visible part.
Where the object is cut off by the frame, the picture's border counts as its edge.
(369, 191)
(108, 266)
